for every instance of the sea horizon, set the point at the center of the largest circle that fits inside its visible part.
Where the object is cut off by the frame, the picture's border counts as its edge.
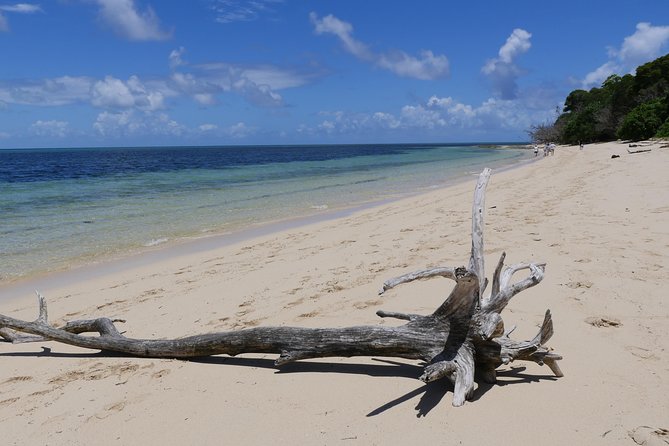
(498, 144)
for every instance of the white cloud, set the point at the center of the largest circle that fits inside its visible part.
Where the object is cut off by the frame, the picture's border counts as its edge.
(207, 127)
(175, 57)
(111, 93)
(261, 95)
(132, 123)
(274, 77)
(344, 30)
(502, 71)
(19, 8)
(110, 124)
(644, 45)
(53, 128)
(228, 11)
(426, 67)
(386, 120)
(258, 85)
(443, 116)
(204, 98)
(435, 101)
(454, 111)
(516, 44)
(127, 21)
(23, 8)
(647, 43)
(418, 116)
(133, 106)
(114, 93)
(47, 92)
(327, 126)
(239, 130)
(595, 78)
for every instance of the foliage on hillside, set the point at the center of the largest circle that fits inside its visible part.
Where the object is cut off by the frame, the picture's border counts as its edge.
(631, 107)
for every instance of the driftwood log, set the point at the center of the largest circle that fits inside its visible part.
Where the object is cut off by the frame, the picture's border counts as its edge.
(464, 335)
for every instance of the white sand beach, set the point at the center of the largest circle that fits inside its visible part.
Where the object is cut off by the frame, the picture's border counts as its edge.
(601, 225)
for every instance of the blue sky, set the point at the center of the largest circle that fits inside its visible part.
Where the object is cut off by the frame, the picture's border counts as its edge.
(209, 72)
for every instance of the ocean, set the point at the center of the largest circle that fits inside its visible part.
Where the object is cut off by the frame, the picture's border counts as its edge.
(60, 208)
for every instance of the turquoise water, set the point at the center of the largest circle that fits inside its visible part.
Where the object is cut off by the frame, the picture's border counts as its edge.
(65, 207)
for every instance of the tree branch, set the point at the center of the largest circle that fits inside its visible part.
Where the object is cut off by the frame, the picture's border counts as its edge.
(476, 261)
(446, 272)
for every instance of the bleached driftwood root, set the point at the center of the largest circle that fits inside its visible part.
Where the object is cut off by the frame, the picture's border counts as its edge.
(463, 336)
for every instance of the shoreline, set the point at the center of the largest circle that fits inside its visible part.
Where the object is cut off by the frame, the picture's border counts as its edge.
(103, 265)
(173, 217)
(598, 222)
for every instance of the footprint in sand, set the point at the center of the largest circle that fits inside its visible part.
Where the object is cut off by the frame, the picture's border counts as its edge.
(150, 294)
(294, 303)
(332, 286)
(14, 379)
(218, 322)
(96, 372)
(293, 291)
(376, 267)
(368, 303)
(310, 314)
(247, 324)
(640, 352)
(9, 401)
(109, 410)
(100, 307)
(160, 373)
(650, 436)
(579, 284)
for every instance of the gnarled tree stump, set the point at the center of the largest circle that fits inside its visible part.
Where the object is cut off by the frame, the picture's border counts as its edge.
(463, 336)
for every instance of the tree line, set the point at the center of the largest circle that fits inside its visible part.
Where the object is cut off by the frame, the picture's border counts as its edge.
(631, 107)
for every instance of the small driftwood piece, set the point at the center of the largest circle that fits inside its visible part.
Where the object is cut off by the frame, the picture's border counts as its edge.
(464, 335)
(637, 151)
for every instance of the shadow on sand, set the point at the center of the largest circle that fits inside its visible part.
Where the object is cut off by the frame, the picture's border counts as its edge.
(431, 393)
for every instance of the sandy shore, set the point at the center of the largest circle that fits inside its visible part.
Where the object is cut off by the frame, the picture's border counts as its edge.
(601, 224)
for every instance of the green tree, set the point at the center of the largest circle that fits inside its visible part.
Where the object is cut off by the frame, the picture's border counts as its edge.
(663, 131)
(581, 126)
(652, 79)
(576, 101)
(628, 107)
(643, 121)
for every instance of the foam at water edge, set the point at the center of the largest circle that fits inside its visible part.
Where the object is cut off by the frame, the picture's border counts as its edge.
(155, 242)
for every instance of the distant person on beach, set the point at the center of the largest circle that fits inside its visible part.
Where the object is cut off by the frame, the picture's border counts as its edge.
(536, 150)
(580, 144)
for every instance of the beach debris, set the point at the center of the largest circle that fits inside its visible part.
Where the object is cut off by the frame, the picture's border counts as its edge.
(464, 336)
(638, 151)
(603, 321)
(615, 156)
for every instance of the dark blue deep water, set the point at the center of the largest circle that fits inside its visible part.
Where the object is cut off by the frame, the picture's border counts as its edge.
(55, 164)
